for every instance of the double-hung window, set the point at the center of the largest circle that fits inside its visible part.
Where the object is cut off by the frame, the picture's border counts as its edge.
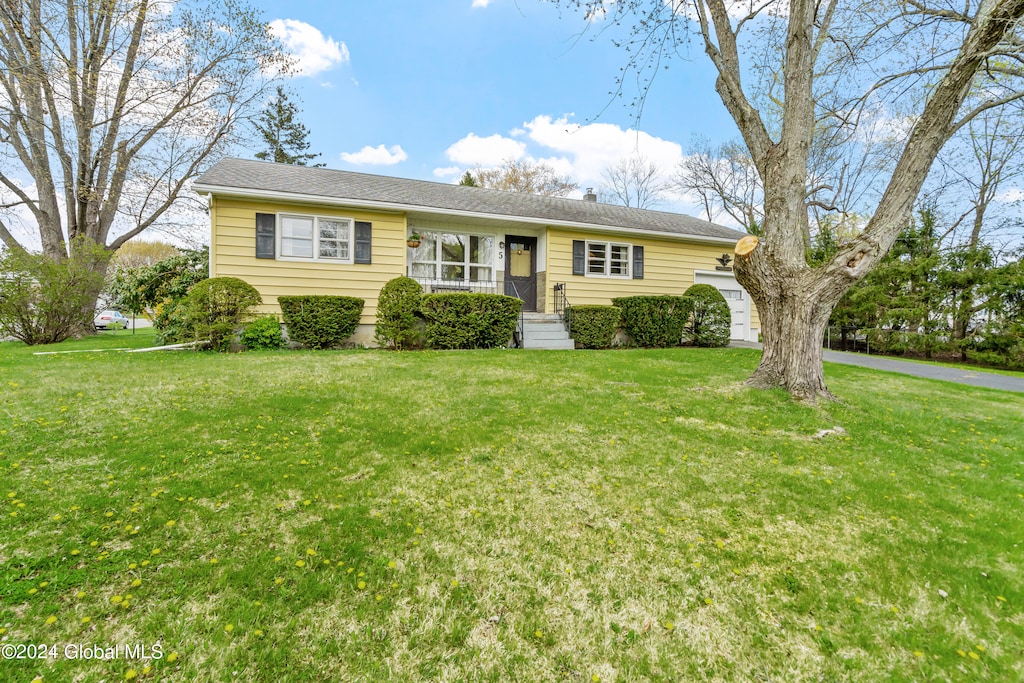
(320, 238)
(608, 259)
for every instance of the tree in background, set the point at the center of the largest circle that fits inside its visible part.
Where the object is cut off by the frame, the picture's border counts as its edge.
(803, 77)
(467, 180)
(725, 181)
(159, 288)
(525, 176)
(108, 109)
(634, 181)
(283, 134)
(139, 253)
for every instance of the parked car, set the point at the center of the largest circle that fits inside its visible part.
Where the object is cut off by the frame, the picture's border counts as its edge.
(106, 319)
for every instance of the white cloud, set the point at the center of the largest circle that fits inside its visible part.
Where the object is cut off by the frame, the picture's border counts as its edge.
(1010, 195)
(592, 148)
(376, 156)
(490, 151)
(482, 3)
(313, 52)
(581, 152)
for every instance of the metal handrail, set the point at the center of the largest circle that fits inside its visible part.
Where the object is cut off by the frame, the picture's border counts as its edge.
(562, 308)
(517, 335)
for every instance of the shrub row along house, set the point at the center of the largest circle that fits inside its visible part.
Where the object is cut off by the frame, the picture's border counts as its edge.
(291, 230)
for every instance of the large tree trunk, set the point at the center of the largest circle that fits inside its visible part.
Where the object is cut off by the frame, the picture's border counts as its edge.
(794, 308)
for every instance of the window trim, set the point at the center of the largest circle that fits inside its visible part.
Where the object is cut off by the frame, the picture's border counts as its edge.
(439, 263)
(628, 261)
(316, 238)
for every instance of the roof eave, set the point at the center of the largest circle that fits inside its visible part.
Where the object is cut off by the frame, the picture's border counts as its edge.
(247, 193)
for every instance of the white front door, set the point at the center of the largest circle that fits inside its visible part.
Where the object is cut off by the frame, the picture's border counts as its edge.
(735, 296)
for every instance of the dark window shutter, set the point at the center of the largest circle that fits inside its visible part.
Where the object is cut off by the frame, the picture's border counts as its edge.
(266, 223)
(364, 242)
(638, 263)
(579, 257)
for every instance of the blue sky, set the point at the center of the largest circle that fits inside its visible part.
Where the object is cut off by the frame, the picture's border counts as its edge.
(428, 90)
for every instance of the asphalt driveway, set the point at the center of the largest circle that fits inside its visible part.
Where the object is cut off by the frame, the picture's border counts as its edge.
(945, 373)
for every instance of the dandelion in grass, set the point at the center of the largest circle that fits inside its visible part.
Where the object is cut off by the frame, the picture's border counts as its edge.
(80, 594)
(228, 628)
(538, 634)
(214, 560)
(86, 620)
(169, 523)
(918, 653)
(130, 674)
(300, 564)
(50, 620)
(455, 583)
(117, 599)
(973, 655)
(361, 585)
(136, 583)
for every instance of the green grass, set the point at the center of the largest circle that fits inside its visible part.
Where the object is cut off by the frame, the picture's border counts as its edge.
(503, 516)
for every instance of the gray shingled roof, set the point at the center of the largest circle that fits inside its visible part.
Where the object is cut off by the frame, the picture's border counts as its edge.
(282, 179)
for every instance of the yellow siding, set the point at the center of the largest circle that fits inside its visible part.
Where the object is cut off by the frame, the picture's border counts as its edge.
(233, 254)
(668, 268)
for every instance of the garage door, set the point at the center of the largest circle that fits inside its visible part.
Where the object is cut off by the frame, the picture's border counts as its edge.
(735, 296)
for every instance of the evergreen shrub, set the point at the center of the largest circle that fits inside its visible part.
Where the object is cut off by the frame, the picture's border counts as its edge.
(710, 321)
(320, 321)
(464, 320)
(399, 320)
(654, 321)
(593, 327)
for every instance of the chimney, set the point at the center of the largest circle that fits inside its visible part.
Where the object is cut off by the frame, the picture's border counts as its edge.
(590, 196)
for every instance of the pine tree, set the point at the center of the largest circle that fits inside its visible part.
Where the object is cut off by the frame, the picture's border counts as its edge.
(468, 180)
(284, 136)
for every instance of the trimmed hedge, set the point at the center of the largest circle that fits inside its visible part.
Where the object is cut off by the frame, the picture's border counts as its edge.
(320, 321)
(215, 308)
(654, 321)
(710, 321)
(464, 320)
(399, 321)
(593, 327)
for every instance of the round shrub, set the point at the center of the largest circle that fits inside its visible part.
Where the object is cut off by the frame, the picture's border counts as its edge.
(710, 322)
(399, 321)
(654, 321)
(215, 308)
(593, 327)
(320, 321)
(263, 333)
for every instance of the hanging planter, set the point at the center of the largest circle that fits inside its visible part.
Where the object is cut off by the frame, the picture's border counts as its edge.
(413, 240)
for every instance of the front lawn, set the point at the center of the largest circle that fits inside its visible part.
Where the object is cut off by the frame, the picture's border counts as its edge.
(502, 516)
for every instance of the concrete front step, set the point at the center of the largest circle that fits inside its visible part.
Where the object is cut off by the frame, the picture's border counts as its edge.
(545, 331)
(551, 344)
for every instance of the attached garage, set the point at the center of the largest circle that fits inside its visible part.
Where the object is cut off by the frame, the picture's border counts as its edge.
(737, 298)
